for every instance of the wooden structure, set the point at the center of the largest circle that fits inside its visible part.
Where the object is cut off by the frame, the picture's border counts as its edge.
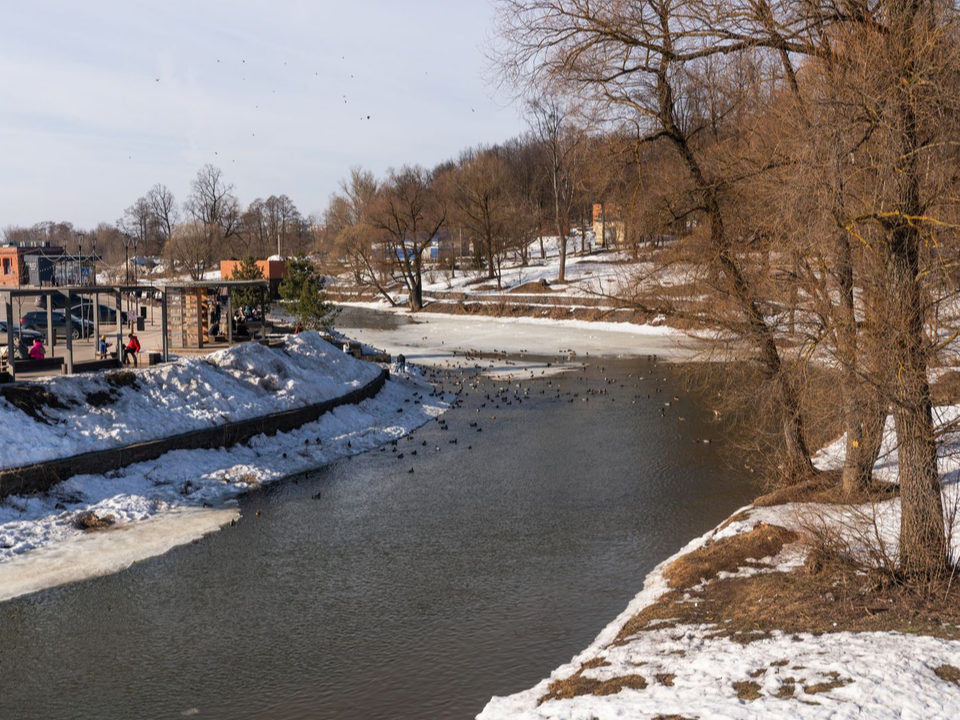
(191, 309)
(72, 295)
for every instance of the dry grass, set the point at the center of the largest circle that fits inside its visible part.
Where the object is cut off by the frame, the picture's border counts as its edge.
(835, 597)
(727, 555)
(825, 489)
(835, 682)
(747, 690)
(531, 288)
(948, 673)
(576, 684)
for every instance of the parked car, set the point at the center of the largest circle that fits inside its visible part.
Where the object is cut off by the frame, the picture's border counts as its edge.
(37, 320)
(83, 308)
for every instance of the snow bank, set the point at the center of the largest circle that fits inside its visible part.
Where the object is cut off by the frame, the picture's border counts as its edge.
(876, 675)
(185, 494)
(239, 383)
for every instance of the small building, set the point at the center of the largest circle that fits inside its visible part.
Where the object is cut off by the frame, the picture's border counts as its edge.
(33, 264)
(608, 225)
(273, 270)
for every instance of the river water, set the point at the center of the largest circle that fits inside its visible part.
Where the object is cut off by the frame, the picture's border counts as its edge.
(396, 594)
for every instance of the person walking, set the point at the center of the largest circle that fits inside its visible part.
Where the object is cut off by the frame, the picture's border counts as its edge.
(37, 352)
(132, 348)
(401, 363)
(102, 347)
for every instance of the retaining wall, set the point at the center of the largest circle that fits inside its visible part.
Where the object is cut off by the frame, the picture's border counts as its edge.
(43, 476)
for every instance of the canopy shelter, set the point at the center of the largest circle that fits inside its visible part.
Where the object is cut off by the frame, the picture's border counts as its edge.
(72, 295)
(201, 313)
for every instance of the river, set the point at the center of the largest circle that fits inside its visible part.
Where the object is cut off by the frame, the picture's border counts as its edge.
(395, 593)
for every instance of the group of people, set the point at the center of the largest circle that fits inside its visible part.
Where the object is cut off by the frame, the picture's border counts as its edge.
(38, 352)
(130, 350)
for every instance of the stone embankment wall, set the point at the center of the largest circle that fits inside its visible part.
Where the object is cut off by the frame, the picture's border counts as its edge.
(42, 476)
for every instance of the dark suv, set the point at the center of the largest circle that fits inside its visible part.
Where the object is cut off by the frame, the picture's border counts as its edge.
(37, 320)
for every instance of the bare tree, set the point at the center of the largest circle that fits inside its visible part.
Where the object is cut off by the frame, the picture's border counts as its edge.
(212, 203)
(163, 206)
(551, 123)
(410, 212)
(194, 248)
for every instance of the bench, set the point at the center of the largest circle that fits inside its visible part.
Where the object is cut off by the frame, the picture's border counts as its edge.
(29, 366)
(94, 365)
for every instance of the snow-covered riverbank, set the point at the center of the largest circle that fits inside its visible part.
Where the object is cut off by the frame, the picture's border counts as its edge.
(82, 413)
(153, 506)
(669, 662)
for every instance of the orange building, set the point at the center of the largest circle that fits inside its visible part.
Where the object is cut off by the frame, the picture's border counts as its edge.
(14, 270)
(273, 270)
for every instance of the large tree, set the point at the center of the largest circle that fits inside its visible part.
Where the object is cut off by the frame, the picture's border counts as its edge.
(410, 213)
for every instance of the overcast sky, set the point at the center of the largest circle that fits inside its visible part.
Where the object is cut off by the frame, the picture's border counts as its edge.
(101, 99)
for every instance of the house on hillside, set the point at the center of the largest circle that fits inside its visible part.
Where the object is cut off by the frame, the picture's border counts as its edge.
(608, 225)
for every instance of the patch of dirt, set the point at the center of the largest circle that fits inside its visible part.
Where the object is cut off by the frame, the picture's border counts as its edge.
(576, 684)
(32, 400)
(833, 684)
(837, 597)
(825, 489)
(727, 554)
(101, 398)
(948, 673)
(666, 679)
(532, 287)
(92, 521)
(122, 378)
(747, 690)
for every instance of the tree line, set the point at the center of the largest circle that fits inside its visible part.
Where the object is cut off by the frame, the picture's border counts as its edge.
(194, 236)
(810, 150)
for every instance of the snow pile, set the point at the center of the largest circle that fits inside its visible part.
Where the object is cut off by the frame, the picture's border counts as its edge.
(96, 412)
(187, 493)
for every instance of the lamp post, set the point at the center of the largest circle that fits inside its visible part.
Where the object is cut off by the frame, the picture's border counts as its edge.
(126, 257)
(79, 258)
(93, 259)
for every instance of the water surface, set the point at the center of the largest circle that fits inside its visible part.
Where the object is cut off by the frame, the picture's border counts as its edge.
(395, 594)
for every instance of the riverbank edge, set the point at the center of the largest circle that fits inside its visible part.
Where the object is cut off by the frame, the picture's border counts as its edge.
(42, 476)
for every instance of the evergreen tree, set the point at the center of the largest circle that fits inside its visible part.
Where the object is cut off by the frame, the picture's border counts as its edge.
(302, 291)
(247, 270)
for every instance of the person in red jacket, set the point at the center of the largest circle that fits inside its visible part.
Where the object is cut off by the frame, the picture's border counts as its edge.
(131, 349)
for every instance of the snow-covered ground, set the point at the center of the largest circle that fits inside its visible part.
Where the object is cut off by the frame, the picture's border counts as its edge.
(241, 382)
(599, 273)
(185, 494)
(438, 340)
(882, 674)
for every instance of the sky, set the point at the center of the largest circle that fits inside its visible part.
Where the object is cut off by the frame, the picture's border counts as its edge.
(102, 99)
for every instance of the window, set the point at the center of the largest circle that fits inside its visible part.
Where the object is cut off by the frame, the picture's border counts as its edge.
(6, 266)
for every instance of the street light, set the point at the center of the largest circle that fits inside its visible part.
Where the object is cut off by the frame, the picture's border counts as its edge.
(79, 258)
(93, 259)
(127, 240)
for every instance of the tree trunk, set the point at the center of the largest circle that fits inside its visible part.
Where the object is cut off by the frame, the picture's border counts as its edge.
(922, 534)
(561, 236)
(796, 462)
